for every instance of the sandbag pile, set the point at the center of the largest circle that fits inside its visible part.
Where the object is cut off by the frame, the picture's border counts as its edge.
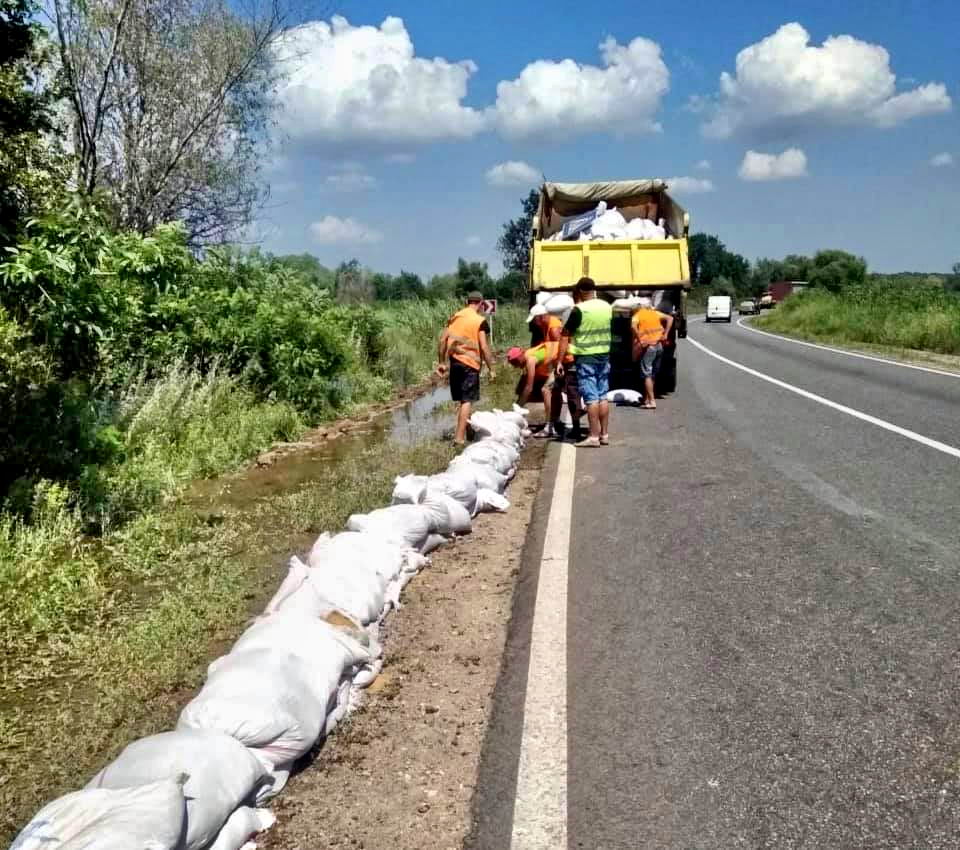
(290, 677)
(608, 223)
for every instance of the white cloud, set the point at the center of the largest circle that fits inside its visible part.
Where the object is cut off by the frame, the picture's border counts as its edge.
(473, 241)
(703, 165)
(942, 160)
(784, 86)
(348, 85)
(513, 173)
(350, 177)
(330, 230)
(767, 166)
(561, 99)
(689, 185)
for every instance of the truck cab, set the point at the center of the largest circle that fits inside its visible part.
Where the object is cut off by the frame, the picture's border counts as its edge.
(576, 234)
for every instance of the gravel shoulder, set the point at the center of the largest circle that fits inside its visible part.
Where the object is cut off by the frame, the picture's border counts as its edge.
(401, 771)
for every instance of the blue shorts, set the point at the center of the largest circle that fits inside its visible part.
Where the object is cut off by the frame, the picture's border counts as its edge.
(650, 361)
(593, 377)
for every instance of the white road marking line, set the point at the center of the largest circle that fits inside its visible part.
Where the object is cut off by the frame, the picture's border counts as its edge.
(540, 809)
(850, 353)
(858, 414)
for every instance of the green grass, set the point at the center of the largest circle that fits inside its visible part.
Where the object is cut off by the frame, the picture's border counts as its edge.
(912, 319)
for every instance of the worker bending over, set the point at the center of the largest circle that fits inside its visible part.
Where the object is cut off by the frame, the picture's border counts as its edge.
(464, 342)
(651, 328)
(536, 379)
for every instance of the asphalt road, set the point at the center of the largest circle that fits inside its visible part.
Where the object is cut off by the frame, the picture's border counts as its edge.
(762, 617)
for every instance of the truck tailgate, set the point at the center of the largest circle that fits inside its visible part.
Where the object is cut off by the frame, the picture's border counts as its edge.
(557, 265)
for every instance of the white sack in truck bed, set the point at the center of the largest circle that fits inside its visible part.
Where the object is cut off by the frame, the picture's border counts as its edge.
(149, 817)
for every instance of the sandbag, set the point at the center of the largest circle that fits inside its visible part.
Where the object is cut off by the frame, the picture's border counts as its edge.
(409, 489)
(559, 305)
(242, 825)
(625, 396)
(513, 417)
(490, 500)
(490, 426)
(483, 474)
(222, 773)
(448, 516)
(263, 698)
(434, 541)
(460, 485)
(361, 551)
(405, 525)
(332, 586)
(148, 817)
(501, 457)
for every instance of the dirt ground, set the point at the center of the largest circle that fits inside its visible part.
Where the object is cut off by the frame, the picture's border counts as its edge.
(400, 772)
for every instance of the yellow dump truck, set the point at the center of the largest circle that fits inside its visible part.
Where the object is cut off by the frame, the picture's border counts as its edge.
(570, 241)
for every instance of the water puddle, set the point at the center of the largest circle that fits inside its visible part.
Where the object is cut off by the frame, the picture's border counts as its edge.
(428, 416)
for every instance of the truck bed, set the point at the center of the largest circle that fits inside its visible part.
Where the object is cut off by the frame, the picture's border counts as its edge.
(616, 265)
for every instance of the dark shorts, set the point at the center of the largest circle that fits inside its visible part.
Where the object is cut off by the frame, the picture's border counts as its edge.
(568, 384)
(464, 382)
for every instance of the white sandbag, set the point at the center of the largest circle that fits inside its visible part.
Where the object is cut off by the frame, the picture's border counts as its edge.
(222, 773)
(448, 516)
(243, 824)
(513, 417)
(459, 485)
(405, 525)
(434, 541)
(361, 551)
(409, 489)
(361, 594)
(642, 228)
(148, 817)
(625, 396)
(488, 425)
(485, 475)
(490, 501)
(500, 456)
(265, 700)
(559, 305)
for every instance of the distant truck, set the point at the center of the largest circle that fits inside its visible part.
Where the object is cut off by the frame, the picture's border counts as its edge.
(780, 289)
(621, 267)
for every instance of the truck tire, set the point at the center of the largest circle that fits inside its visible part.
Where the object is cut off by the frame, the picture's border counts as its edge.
(666, 380)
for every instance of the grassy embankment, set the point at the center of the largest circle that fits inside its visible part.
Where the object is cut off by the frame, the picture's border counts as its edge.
(908, 319)
(105, 637)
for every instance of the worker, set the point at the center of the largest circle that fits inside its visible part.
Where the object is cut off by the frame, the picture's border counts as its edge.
(537, 378)
(587, 336)
(651, 329)
(464, 342)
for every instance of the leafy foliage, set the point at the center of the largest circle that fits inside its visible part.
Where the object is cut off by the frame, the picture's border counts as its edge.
(710, 259)
(514, 241)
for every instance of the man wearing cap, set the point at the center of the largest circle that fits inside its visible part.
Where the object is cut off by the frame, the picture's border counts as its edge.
(651, 329)
(464, 342)
(536, 380)
(587, 336)
(547, 328)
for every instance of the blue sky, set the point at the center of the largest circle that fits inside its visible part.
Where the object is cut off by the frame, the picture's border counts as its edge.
(393, 117)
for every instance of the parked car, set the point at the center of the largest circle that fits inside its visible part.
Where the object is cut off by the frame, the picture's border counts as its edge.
(748, 308)
(767, 302)
(719, 308)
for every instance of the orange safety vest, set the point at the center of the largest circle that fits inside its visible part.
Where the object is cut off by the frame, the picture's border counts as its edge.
(463, 337)
(647, 327)
(554, 327)
(544, 354)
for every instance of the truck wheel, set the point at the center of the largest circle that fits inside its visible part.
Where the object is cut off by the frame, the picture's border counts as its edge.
(666, 380)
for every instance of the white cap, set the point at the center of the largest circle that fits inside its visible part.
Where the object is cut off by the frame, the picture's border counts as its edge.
(536, 310)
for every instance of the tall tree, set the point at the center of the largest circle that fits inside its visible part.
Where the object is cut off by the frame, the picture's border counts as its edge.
(170, 100)
(514, 242)
(837, 270)
(710, 259)
(473, 276)
(31, 166)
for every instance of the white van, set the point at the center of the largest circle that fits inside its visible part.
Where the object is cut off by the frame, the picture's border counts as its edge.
(719, 308)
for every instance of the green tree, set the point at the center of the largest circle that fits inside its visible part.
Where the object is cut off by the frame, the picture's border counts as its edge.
(31, 166)
(710, 259)
(353, 283)
(514, 242)
(309, 268)
(473, 276)
(797, 267)
(837, 270)
(388, 287)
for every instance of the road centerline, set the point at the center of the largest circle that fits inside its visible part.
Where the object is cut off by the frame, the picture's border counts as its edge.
(929, 442)
(540, 807)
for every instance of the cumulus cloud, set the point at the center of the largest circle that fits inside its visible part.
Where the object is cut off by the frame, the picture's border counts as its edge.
(331, 230)
(561, 99)
(689, 185)
(703, 165)
(941, 160)
(513, 173)
(349, 85)
(767, 166)
(784, 86)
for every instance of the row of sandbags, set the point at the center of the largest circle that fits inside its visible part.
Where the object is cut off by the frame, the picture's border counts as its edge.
(289, 678)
